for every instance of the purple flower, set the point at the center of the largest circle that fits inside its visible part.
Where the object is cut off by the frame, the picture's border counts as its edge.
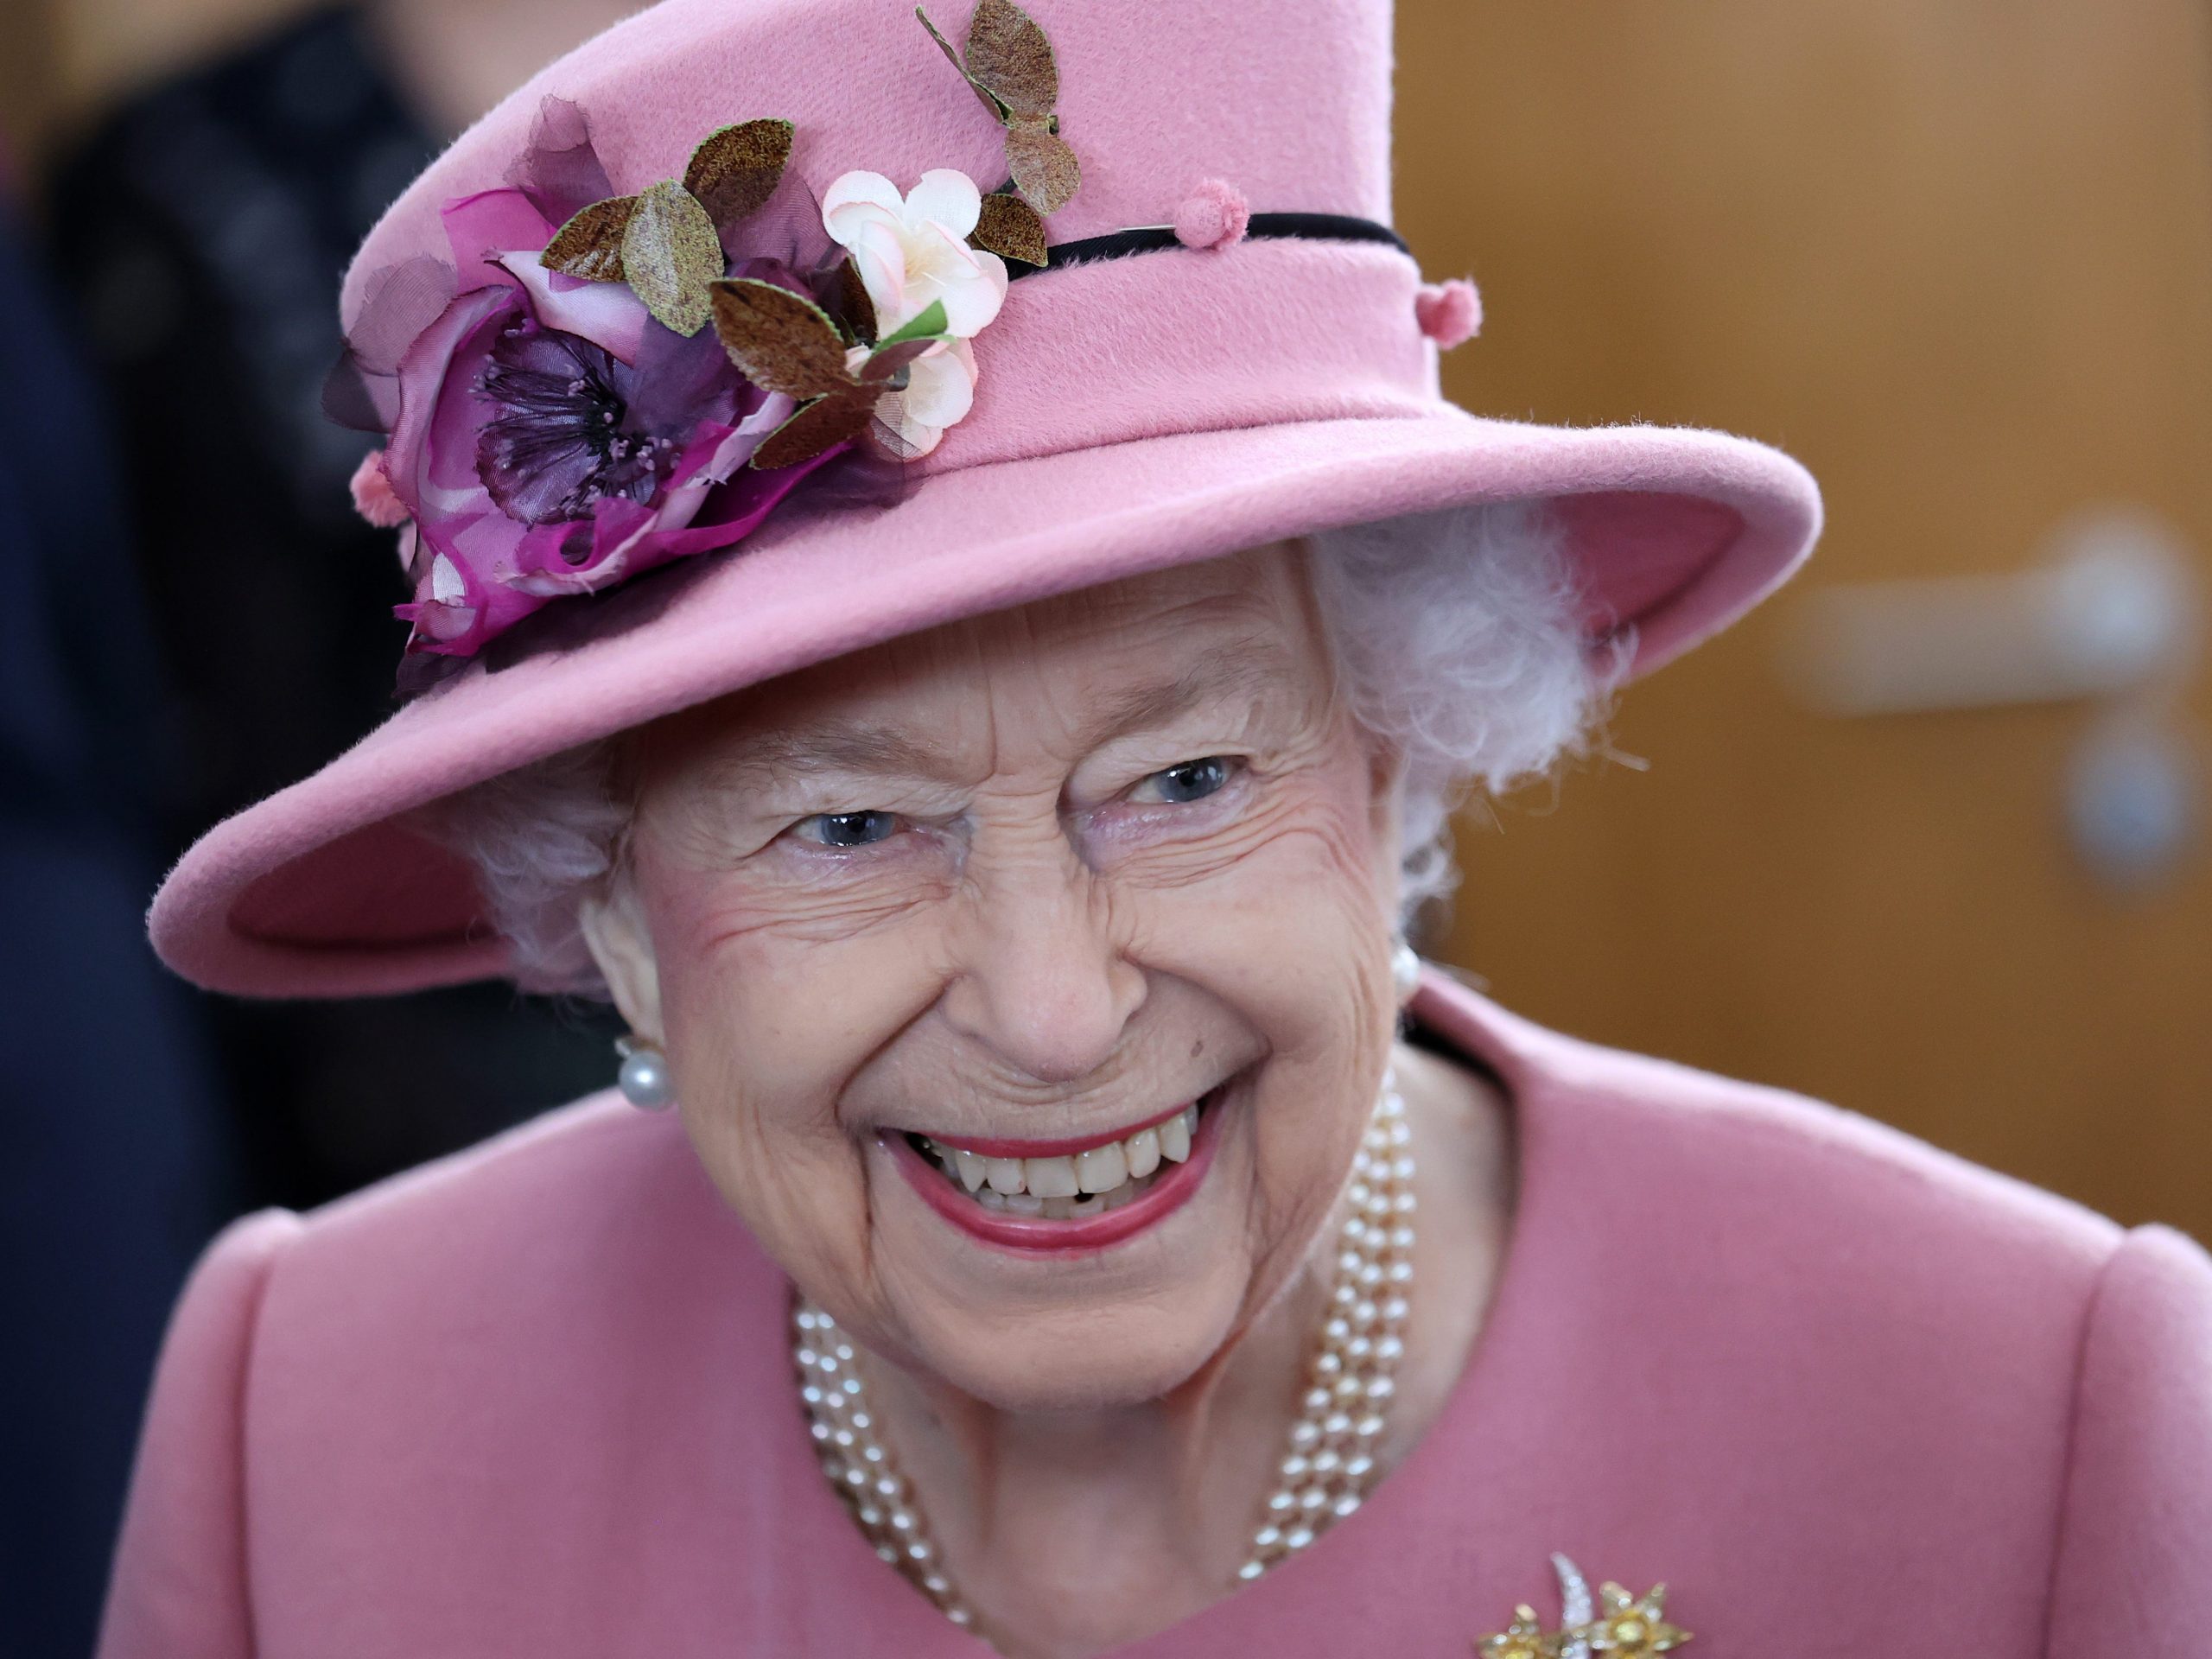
(563, 439)
(547, 436)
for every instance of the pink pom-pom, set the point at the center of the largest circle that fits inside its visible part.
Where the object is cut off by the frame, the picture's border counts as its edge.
(1214, 216)
(1451, 314)
(373, 497)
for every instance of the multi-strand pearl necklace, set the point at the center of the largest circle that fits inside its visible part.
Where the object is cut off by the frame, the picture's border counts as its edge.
(1329, 1462)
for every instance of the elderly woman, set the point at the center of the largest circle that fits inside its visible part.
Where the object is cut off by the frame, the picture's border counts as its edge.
(978, 675)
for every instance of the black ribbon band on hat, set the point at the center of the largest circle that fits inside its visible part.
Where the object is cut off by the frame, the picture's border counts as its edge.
(1155, 238)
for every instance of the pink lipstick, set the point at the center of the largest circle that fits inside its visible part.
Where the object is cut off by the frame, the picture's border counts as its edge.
(1017, 1221)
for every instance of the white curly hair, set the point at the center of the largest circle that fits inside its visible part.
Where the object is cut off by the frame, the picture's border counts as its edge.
(1456, 640)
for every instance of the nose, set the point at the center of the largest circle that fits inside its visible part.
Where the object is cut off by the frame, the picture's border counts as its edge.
(1042, 981)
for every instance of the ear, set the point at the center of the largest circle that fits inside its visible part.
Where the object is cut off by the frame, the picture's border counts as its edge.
(614, 925)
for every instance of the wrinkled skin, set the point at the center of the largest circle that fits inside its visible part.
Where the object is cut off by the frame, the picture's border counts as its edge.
(1049, 929)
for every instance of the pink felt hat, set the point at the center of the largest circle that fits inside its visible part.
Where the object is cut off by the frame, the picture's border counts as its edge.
(1225, 347)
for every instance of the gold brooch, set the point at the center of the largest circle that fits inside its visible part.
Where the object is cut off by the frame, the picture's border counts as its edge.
(1628, 1627)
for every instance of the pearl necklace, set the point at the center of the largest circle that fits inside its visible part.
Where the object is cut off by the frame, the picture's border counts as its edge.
(1329, 1462)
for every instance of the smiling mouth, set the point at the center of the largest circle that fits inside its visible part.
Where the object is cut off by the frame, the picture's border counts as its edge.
(1064, 1186)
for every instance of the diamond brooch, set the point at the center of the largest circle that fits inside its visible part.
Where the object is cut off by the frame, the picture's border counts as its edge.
(1613, 1626)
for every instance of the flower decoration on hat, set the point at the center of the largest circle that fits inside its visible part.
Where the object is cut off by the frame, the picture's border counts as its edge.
(912, 250)
(792, 347)
(667, 242)
(1010, 64)
(598, 384)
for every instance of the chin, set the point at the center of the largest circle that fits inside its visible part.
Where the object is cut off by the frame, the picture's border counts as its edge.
(1084, 1357)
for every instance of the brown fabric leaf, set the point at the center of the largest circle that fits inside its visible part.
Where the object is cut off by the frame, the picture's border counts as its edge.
(1009, 55)
(853, 301)
(735, 169)
(891, 362)
(590, 244)
(1043, 167)
(823, 424)
(780, 341)
(670, 254)
(1009, 227)
(999, 112)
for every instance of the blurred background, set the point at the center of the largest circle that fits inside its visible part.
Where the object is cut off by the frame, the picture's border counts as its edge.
(1924, 836)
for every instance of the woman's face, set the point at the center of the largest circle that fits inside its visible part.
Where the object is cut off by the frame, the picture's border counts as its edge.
(1028, 887)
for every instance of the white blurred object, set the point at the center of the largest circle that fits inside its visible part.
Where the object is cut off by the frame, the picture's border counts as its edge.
(2114, 616)
(2132, 801)
(2115, 609)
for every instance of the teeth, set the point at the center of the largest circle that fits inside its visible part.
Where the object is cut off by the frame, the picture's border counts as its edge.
(1050, 1178)
(1102, 1168)
(1067, 1188)
(1143, 1152)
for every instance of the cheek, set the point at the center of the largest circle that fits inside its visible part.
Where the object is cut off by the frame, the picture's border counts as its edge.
(805, 969)
(765, 1024)
(1273, 910)
(1286, 918)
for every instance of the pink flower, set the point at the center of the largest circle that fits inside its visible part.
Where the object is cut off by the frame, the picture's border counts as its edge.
(372, 493)
(913, 249)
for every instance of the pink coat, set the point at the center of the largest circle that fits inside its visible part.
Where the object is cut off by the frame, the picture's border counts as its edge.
(1848, 1396)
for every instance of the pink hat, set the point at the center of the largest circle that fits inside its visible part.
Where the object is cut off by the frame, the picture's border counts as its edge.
(671, 230)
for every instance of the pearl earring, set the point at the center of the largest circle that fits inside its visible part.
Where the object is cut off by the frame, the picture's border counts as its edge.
(644, 1077)
(1405, 970)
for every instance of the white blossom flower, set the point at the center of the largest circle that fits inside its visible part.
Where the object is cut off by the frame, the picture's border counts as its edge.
(940, 391)
(913, 249)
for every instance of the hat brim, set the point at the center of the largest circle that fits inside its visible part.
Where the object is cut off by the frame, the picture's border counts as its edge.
(318, 891)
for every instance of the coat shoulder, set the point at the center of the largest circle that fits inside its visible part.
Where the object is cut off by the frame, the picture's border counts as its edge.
(1792, 1166)
(571, 1208)
(544, 1271)
(1737, 1167)
(2015, 1369)
(571, 1146)
(433, 1390)
(1799, 1349)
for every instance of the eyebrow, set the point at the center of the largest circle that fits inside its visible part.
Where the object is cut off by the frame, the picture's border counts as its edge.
(831, 746)
(1225, 674)
(839, 746)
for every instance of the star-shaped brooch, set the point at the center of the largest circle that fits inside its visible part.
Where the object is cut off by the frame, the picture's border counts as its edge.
(1629, 1627)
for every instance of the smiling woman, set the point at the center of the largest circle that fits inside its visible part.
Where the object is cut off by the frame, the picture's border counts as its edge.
(1083, 1225)
(979, 914)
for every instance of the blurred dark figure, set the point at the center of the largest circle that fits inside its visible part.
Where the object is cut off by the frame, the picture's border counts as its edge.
(112, 1170)
(200, 234)
(202, 231)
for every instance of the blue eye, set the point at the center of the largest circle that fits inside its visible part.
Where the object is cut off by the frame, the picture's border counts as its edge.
(848, 829)
(1189, 780)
